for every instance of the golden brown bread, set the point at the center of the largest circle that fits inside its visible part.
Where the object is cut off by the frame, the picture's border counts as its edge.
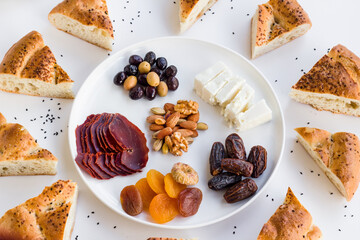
(291, 221)
(333, 84)
(338, 155)
(20, 154)
(29, 67)
(86, 19)
(47, 216)
(276, 23)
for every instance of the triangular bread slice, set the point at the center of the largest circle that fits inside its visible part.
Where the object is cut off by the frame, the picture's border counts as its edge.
(191, 11)
(85, 19)
(20, 154)
(51, 215)
(29, 67)
(333, 84)
(275, 23)
(291, 221)
(338, 155)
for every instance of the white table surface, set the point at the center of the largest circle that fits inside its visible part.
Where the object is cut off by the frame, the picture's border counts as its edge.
(228, 24)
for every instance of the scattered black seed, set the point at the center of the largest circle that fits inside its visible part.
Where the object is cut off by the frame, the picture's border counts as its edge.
(44, 137)
(76, 238)
(314, 49)
(233, 33)
(48, 110)
(97, 223)
(318, 174)
(352, 215)
(301, 173)
(296, 58)
(58, 104)
(36, 140)
(331, 193)
(272, 199)
(345, 215)
(339, 230)
(308, 123)
(60, 108)
(60, 130)
(26, 109)
(291, 151)
(234, 226)
(301, 194)
(61, 55)
(15, 118)
(297, 141)
(92, 212)
(88, 216)
(267, 195)
(233, 232)
(232, 8)
(114, 226)
(247, 14)
(276, 80)
(345, 206)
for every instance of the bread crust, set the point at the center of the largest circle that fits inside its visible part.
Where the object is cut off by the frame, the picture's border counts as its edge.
(291, 221)
(42, 217)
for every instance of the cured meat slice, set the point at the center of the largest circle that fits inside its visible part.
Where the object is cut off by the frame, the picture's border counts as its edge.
(94, 136)
(100, 162)
(96, 168)
(113, 144)
(126, 133)
(89, 144)
(118, 164)
(79, 139)
(85, 161)
(79, 161)
(113, 168)
(103, 143)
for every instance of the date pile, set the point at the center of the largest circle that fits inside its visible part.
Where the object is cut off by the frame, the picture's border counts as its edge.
(164, 197)
(228, 164)
(175, 126)
(147, 77)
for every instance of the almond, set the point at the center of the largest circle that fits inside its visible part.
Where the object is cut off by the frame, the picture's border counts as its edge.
(180, 121)
(155, 134)
(194, 117)
(194, 134)
(165, 132)
(172, 119)
(160, 121)
(176, 128)
(151, 119)
(183, 115)
(185, 132)
(155, 127)
(169, 107)
(189, 125)
(201, 126)
(158, 111)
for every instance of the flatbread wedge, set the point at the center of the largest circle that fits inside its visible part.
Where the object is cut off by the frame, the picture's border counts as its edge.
(20, 154)
(333, 84)
(29, 67)
(338, 155)
(85, 19)
(291, 221)
(191, 11)
(51, 215)
(276, 23)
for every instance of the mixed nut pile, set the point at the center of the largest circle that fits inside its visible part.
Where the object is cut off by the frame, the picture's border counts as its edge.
(228, 164)
(147, 77)
(175, 126)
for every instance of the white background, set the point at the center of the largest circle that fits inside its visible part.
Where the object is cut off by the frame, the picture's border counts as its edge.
(228, 24)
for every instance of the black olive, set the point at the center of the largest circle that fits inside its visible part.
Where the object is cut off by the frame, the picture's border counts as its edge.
(157, 71)
(150, 57)
(171, 71)
(136, 92)
(161, 63)
(135, 60)
(119, 78)
(130, 70)
(150, 92)
(172, 83)
(142, 79)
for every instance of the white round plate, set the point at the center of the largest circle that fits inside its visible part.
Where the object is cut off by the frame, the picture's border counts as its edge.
(98, 94)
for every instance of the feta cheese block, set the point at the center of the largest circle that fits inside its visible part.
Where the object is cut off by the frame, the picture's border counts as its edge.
(210, 90)
(229, 91)
(257, 114)
(240, 103)
(207, 75)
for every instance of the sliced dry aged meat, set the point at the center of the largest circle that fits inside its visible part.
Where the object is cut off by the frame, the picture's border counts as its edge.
(118, 171)
(99, 130)
(112, 143)
(96, 168)
(88, 141)
(94, 136)
(79, 139)
(100, 159)
(119, 164)
(85, 161)
(79, 160)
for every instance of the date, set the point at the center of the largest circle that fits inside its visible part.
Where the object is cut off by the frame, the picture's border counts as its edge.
(235, 147)
(216, 155)
(240, 191)
(223, 180)
(258, 157)
(237, 166)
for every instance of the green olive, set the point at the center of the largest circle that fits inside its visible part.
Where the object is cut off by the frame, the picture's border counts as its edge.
(144, 67)
(162, 89)
(130, 82)
(153, 79)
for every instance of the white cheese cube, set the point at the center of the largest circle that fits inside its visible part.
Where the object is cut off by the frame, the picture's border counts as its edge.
(210, 90)
(256, 115)
(228, 92)
(201, 79)
(240, 102)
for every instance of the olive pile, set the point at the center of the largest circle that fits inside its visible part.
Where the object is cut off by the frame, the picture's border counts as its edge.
(147, 77)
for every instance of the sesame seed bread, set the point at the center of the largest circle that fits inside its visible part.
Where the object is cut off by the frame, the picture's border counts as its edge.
(338, 155)
(51, 215)
(291, 221)
(29, 67)
(333, 84)
(85, 19)
(191, 11)
(20, 154)
(276, 23)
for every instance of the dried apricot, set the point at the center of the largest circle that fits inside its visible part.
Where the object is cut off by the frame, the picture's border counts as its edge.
(130, 199)
(172, 188)
(189, 201)
(147, 194)
(155, 180)
(184, 174)
(163, 208)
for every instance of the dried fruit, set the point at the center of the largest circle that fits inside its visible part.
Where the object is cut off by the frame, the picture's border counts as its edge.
(164, 132)
(158, 111)
(194, 117)
(235, 147)
(163, 208)
(258, 157)
(201, 126)
(172, 120)
(237, 166)
(172, 187)
(223, 180)
(184, 174)
(131, 201)
(217, 153)
(240, 191)
(189, 201)
(157, 144)
(189, 125)
(155, 180)
(147, 194)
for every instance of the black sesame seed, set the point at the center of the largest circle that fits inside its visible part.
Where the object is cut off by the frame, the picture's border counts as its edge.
(272, 199)
(88, 216)
(92, 212)
(233, 232)
(301, 173)
(97, 223)
(291, 151)
(26, 109)
(331, 193)
(114, 226)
